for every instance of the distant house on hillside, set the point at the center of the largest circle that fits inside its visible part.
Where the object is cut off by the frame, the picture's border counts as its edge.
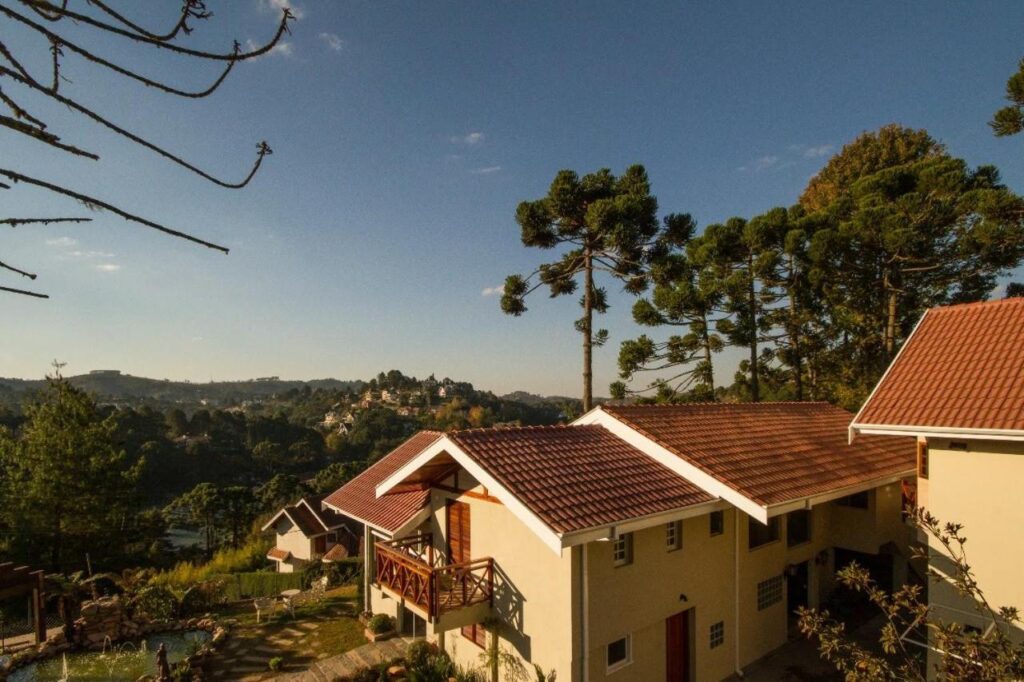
(306, 532)
(956, 388)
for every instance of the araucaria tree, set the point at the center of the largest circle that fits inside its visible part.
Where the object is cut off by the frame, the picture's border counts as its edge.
(22, 80)
(1010, 119)
(609, 225)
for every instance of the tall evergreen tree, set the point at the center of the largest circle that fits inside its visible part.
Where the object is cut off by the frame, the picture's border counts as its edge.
(1010, 119)
(610, 225)
(683, 297)
(66, 488)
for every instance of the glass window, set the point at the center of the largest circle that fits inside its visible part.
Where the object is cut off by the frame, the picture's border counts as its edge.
(619, 653)
(717, 634)
(622, 550)
(717, 522)
(674, 536)
(798, 527)
(760, 534)
(769, 592)
(922, 459)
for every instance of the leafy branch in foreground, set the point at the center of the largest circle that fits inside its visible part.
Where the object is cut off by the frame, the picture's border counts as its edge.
(42, 19)
(966, 653)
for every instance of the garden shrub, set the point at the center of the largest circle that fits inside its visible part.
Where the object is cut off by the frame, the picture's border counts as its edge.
(156, 603)
(202, 597)
(250, 556)
(380, 624)
(259, 584)
(275, 663)
(340, 572)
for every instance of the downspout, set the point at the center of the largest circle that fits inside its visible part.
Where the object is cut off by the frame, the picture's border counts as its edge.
(736, 595)
(368, 566)
(584, 614)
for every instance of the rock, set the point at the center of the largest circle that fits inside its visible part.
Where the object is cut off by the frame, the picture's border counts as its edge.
(396, 672)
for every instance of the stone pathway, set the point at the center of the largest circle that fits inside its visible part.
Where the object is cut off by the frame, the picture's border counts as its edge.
(350, 662)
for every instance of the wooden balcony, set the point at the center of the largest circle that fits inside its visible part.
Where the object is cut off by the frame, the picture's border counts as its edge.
(411, 570)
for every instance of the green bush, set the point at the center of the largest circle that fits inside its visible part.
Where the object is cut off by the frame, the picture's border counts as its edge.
(338, 572)
(275, 663)
(203, 597)
(249, 557)
(156, 602)
(259, 584)
(380, 624)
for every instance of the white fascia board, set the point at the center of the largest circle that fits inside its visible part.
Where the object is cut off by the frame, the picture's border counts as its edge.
(939, 432)
(814, 500)
(851, 430)
(269, 524)
(613, 530)
(446, 445)
(665, 457)
(413, 523)
(315, 513)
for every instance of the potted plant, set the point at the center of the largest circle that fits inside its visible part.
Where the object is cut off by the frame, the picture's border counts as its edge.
(380, 627)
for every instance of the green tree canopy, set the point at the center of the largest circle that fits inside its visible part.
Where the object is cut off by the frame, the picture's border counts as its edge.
(66, 488)
(1010, 119)
(608, 224)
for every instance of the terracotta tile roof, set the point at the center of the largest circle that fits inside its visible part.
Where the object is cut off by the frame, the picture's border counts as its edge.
(577, 477)
(358, 497)
(770, 452)
(278, 554)
(336, 553)
(309, 516)
(963, 367)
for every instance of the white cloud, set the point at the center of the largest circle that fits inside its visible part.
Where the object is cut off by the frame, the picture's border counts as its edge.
(468, 138)
(108, 267)
(820, 150)
(62, 242)
(493, 291)
(282, 49)
(277, 6)
(763, 163)
(332, 40)
(90, 254)
(487, 170)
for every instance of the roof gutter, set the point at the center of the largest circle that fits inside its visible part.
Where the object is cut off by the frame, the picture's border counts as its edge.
(812, 500)
(940, 431)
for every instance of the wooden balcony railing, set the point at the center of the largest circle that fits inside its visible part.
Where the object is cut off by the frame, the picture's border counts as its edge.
(408, 569)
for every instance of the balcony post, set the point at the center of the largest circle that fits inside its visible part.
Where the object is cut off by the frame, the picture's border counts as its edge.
(490, 582)
(431, 587)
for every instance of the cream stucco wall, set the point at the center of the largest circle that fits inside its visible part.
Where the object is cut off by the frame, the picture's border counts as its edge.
(289, 538)
(980, 489)
(532, 584)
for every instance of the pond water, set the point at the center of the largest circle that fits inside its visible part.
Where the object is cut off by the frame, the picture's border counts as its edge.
(122, 662)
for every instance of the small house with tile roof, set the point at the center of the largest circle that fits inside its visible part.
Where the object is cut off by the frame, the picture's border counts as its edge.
(306, 531)
(638, 543)
(956, 391)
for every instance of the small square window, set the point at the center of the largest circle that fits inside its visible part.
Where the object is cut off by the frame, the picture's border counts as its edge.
(620, 653)
(717, 634)
(674, 536)
(922, 459)
(717, 522)
(769, 592)
(622, 550)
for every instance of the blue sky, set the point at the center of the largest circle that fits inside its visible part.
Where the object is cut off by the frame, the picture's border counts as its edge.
(404, 135)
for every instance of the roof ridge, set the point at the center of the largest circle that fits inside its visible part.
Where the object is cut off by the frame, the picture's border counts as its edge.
(519, 429)
(1010, 300)
(710, 403)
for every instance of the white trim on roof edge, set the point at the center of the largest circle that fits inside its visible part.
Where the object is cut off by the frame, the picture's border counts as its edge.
(850, 431)
(938, 431)
(674, 462)
(445, 445)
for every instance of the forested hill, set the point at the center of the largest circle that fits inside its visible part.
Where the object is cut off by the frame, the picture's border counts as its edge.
(114, 386)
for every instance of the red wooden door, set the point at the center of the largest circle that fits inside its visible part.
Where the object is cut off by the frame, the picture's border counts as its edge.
(460, 549)
(677, 647)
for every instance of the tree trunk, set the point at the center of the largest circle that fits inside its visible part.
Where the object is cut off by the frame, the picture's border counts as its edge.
(794, 334)
(755, 387)
(588, 313)
(706, 342)
(890, 316)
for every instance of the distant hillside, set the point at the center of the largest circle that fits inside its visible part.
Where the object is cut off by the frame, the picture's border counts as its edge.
(113, 386)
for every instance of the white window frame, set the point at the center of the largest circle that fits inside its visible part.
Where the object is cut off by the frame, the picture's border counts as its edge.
(619, 665)
(716, 639)
(673, 536)
(622, 545)
(770, 591)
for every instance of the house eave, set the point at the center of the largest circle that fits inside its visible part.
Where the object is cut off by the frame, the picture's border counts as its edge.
(610, 531)
(809, 501)
(938, 432)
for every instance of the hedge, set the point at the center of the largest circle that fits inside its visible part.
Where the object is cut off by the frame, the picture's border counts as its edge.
(259, 584)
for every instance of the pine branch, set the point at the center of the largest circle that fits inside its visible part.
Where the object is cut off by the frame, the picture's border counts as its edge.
(21, 272)
(189, 8)
(43, 136)
(56, 40)
(91, 201)
(14, 222)
(286, 16)
(262, 148)
(23, 292)
(19, 112)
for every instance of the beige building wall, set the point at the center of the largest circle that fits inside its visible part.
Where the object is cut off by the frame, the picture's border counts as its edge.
(980, 489)
(636, 599)
(291, 539)
(532, 584)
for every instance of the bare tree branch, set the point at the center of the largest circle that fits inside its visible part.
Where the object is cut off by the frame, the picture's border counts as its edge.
(23, 292)
(189, 8)
(92, 201)
(14, 222)
(43, 136)
(21, 272)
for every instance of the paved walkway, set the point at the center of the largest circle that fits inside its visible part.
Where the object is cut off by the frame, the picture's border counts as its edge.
(350, 662)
